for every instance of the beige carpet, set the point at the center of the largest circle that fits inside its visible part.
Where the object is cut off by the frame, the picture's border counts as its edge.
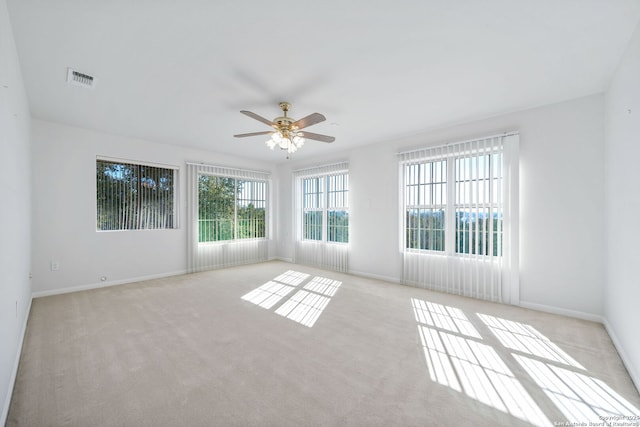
(322, 349)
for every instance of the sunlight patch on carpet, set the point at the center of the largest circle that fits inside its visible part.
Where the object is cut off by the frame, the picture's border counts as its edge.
(580, 397)
(324, 286)
(456, 358)
(293, 278)
(526, 339)
(305, 306)
(444, 317)
(268, 295)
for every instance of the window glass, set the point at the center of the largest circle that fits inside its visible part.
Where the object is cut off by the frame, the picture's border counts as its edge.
(426, 195)
(478, 218)
(230, 208)
(474, 204)
(133, 196)
(325, 208)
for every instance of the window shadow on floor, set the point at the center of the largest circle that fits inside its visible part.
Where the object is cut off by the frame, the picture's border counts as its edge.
(305, 306)
(458, 356)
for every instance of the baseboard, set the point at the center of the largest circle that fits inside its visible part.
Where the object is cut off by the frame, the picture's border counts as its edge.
(626, 360)
(70, 289)
(279, 258)
(14, 372)
(375, 276)
(562, 311)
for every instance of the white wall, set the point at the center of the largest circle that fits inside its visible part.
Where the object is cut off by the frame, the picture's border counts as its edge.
(561, 198)
(15, 210)
(622, 147)
(64, 224)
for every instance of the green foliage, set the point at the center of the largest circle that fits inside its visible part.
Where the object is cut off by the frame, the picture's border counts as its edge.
(338, 226)
(251, 222)
(216, 208)
(325, 203)
(131, 196)
(312, 225)
(221, 216)
(425, 229)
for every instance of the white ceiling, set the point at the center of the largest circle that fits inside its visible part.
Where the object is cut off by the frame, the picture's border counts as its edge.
(179, 71)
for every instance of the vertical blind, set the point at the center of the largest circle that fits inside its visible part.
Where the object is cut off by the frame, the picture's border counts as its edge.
(228, 216)
(230, 208)
(132, 196)
(459, 217)
(321, 216)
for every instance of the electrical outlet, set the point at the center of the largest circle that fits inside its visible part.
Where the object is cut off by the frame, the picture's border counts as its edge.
(55, 266)
(103, 278)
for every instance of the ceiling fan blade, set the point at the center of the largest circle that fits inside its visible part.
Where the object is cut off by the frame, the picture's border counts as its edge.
(311, 119)
(257, 117)
(242, 135)
(318, 137)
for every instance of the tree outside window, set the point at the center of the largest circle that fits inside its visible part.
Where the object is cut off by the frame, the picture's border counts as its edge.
(230, 209)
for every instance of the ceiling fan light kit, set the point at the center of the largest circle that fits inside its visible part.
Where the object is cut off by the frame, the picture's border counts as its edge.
(289, 141)
(286, 134)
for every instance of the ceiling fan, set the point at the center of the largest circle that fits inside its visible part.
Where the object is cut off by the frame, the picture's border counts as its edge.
(287, 134)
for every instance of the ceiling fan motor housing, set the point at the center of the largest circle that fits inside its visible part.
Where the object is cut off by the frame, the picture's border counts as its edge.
(284, 122)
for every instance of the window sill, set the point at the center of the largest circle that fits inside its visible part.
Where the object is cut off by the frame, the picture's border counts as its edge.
(235, 241)
(441, 254)
(323, 241)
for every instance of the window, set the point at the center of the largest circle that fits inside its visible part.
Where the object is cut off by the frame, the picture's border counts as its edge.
(313, 212)
(479, 221)
(231, 208)
(325, 208)
(426, 198)
(134, 196)
(452, 204)
(321, 216)
(459, 217)
(228, 216)
(338, 208)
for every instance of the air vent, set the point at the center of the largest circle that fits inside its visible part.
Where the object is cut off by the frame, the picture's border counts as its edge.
(77, 78)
